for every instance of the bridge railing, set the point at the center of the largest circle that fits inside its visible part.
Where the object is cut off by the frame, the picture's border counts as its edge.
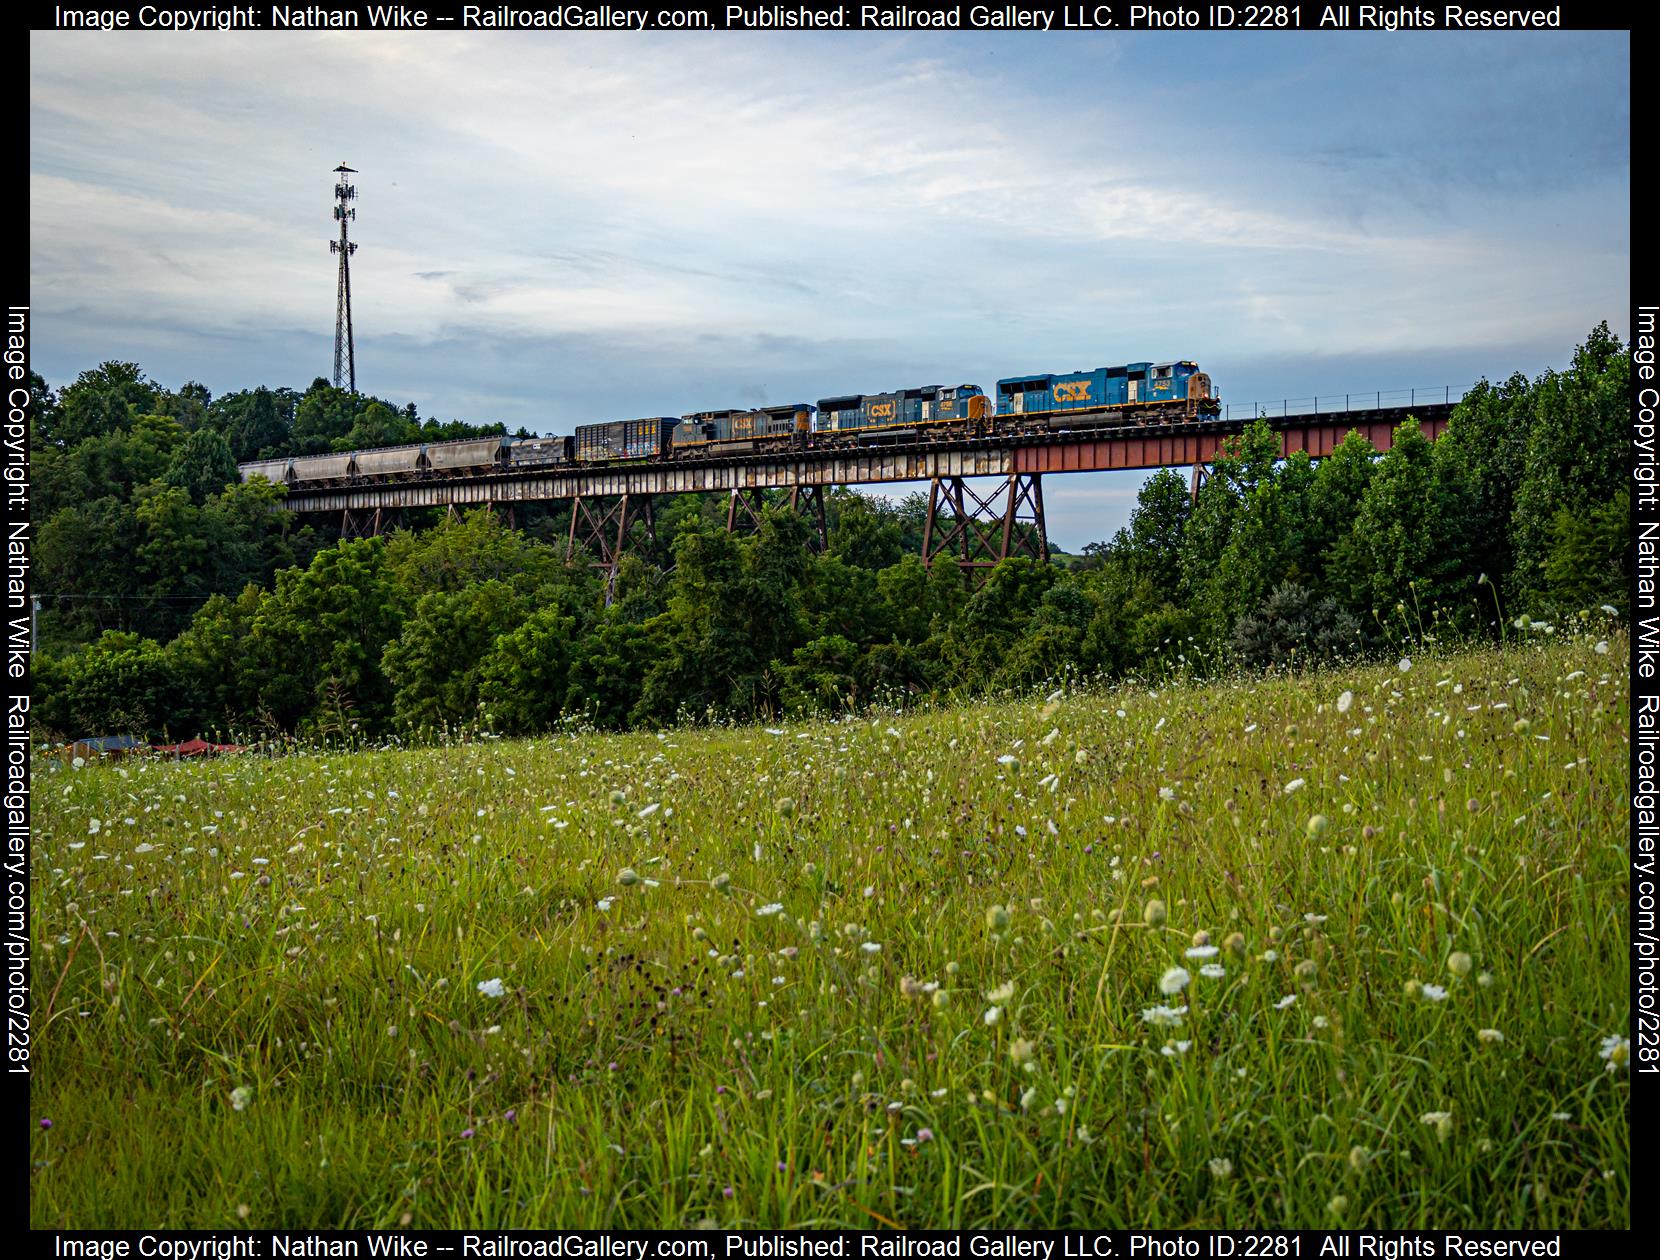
(1338, 404)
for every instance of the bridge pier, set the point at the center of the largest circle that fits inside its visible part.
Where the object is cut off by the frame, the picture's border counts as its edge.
(745, 507)
(980, 531)
(366, 522)
(601, 523)
(1201, 474)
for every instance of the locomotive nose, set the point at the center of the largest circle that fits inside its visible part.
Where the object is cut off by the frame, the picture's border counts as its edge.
(1198, 385)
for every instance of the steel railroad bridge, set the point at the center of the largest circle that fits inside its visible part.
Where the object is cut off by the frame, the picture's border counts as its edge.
(975, 531)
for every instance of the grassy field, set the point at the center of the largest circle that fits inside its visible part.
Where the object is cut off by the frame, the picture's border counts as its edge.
(1346, 949)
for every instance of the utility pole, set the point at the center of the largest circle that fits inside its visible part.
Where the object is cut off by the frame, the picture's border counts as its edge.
(345, 357)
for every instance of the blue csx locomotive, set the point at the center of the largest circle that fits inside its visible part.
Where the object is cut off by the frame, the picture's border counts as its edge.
(1135, 394)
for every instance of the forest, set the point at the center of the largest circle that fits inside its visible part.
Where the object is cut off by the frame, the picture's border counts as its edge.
(176, 600)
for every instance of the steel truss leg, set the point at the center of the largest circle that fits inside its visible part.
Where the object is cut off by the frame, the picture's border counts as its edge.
(981, 530)
(602, 523)
(1200, 476)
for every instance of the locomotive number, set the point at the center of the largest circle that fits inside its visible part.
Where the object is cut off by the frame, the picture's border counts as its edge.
(1072, 391)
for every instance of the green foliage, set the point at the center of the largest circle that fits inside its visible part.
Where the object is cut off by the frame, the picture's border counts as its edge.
(435, 663)
(1588, 561)
(202, 465)
(316, 643)
(1294, 629)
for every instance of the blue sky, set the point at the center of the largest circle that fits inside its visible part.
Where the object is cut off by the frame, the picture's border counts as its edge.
(558, 228)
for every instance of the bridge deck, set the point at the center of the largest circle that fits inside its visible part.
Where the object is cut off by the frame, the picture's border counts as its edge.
(1094, 449)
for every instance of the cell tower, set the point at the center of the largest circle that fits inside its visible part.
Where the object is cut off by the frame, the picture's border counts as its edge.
(345, 357)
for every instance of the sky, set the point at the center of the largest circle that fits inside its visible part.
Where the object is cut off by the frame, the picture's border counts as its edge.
(558, 228)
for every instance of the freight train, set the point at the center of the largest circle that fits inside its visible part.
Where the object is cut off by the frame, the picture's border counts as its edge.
(1133, 394)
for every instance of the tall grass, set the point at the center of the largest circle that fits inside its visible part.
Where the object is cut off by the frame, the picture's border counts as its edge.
(1343, 949)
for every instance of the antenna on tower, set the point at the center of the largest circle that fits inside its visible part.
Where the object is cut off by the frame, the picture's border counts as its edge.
(345, 356)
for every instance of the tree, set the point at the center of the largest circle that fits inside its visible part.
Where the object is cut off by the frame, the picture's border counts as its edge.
(202, 465)
(1576, 454)
(524, 680)
(435, 663)
(317, 641)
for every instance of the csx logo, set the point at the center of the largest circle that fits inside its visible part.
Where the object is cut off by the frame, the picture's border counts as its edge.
(1072, 391)
(881, 411)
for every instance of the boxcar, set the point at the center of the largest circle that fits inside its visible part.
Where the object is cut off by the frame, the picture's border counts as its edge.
(928, 404)
(273, 470)
(322, 467)
(623, 439)
(1131, 386)
(524, 452)
(466, 455)
(387, 460)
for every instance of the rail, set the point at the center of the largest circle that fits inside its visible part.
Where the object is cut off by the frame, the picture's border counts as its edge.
(1339, 404)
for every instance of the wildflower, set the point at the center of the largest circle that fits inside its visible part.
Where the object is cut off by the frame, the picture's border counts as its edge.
(1459, 963)
(1601, 650)
(770, 909)
(241, 1096)
(1405, 664)
(1359, 1158)
(1203, 951)
(1339, 1206)
(618, 797)
(1173, 981)
(1306, 971)
(1167, 794)
(1521, 726)
(1211, 971)
(721, 882)
(1295, 785)
(1288, 1000)
(1163, 1016)
(924, 1136)
(1173, 1049)
(910, 986)
(1028, 1098)
(1345, 701)
(871, 947)
(1432, 993)
(492, 988)
(941, 999)
(1002, 994)
(604, 905)
(1235, 944)
(1153, 914)
(1616, 1050)
(1440, 1121)
(1489, 1036)
(992, 1015)
(46, 1122)
(627, 877)
(1021, 1052)
(997, 918)
(1221, 1168)
(1317, 826)
(1010, 760)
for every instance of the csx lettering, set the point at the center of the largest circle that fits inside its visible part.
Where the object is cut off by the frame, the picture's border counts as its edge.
(881, 411)
(1072, 391)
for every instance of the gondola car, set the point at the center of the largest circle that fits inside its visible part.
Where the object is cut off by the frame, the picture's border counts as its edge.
(1167, 389)
(902, 412)
(735, 431)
